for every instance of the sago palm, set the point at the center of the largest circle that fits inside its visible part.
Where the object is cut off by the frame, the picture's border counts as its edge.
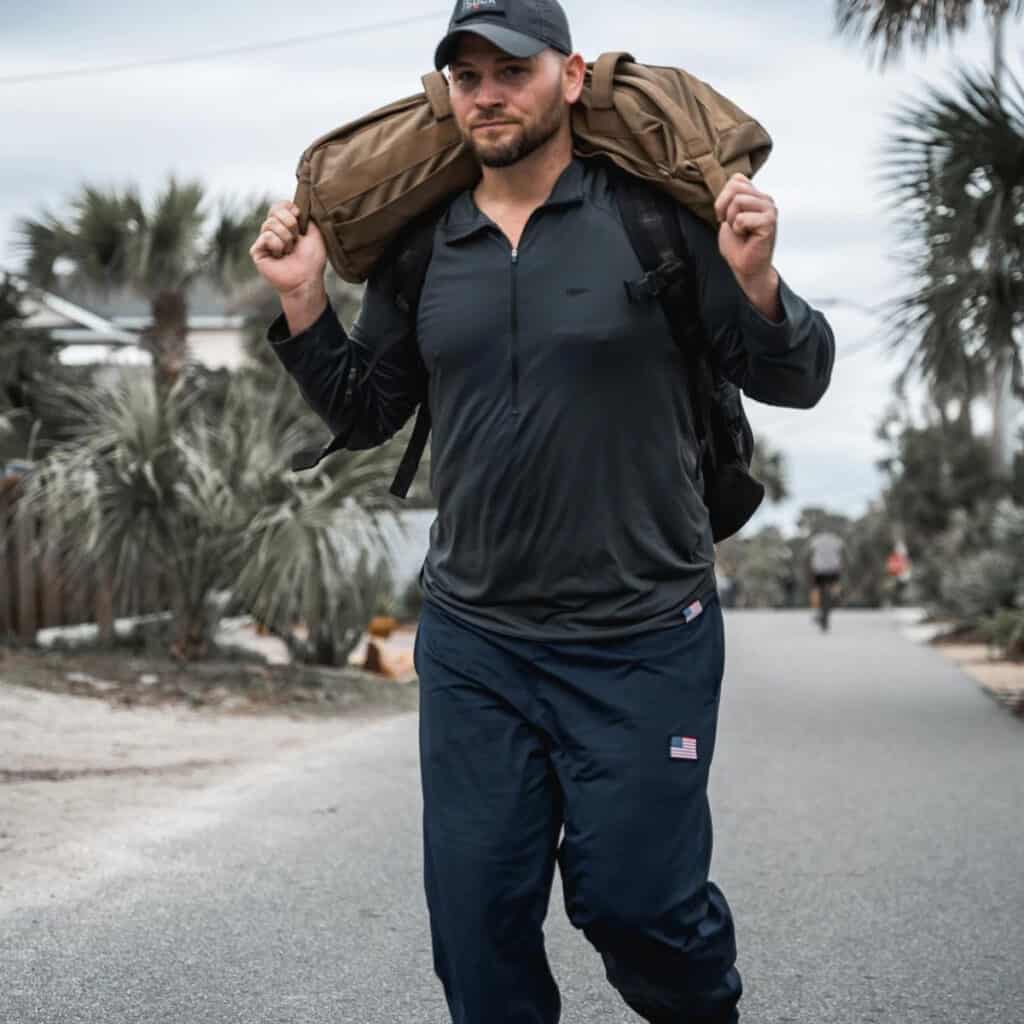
(202, 497)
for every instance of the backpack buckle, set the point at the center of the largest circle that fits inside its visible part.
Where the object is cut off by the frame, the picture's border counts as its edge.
(656, 281)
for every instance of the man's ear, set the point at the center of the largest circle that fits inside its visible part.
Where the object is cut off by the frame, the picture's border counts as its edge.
(572, 77)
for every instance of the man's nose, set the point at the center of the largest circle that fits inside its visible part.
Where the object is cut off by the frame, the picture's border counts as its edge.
(489, 94)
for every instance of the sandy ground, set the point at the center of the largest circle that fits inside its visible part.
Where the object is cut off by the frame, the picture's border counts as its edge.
(1004, 680)
(999, 678)
(76, 771)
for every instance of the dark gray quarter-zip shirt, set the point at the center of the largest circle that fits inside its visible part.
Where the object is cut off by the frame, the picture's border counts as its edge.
(563, 462)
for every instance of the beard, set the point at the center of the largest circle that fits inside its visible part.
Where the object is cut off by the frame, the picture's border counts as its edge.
(526, 140)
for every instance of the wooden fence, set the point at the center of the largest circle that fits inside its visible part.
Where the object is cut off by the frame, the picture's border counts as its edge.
(38, 589)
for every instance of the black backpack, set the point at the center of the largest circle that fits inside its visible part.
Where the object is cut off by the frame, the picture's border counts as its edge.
(723, 434)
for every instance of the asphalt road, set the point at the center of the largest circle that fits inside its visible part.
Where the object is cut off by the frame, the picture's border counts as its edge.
(869, 804)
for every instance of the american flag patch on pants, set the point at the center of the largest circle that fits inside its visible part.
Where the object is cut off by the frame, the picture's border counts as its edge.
(692, 611)
(683, 748)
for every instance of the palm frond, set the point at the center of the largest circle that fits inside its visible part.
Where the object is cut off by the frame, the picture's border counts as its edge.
(234, 231)
(885, 27)
(954, 172)
(172, 254)
(43, 242)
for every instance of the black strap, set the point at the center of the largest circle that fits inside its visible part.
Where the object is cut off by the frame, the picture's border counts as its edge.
(409, 260)
(650, 220)
(413, 453)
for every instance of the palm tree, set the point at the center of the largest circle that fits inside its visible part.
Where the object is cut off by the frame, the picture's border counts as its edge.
(889, 24)
(112, 239)
(955, 172)
(192, 484)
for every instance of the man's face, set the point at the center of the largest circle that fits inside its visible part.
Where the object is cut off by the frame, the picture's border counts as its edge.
(506, 107)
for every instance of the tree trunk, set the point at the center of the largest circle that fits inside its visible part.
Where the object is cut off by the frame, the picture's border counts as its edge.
(191, 635)
(1002, 417)
(167, 339)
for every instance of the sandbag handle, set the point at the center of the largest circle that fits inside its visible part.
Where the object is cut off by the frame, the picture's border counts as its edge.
(713, 173)
(435, 85)
(603, 78)
(303, 198)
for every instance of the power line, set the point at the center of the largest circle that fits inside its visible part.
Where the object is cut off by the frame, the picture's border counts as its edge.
(134, 65)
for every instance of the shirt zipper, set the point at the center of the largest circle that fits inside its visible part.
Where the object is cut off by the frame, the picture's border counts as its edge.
(514, 355)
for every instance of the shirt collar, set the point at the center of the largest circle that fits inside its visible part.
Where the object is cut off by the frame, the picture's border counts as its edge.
(465, 218)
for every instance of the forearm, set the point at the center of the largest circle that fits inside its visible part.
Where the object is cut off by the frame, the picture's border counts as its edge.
(763, 336)
(320, 359)
(786, 359)
(303, 306)
(763, 294)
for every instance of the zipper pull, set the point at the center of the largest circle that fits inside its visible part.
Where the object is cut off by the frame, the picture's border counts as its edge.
(515, 255)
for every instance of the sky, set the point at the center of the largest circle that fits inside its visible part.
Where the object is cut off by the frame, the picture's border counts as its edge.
(239, 121)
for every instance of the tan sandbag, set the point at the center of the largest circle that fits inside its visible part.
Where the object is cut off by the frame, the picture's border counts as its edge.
(363, 182)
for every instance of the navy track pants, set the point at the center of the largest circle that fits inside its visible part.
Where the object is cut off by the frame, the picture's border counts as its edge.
(608, 746)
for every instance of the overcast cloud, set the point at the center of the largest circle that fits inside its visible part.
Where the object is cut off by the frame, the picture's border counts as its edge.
(239, 122)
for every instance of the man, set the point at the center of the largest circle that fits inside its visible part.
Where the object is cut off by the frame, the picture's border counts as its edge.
(825, 551)
(570, 649)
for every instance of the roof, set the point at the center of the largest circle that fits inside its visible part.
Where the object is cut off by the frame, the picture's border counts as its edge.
(95, 328)
(80, 316)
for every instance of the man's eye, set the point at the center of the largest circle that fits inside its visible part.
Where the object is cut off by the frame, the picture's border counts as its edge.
(465, 78)
(514, 72)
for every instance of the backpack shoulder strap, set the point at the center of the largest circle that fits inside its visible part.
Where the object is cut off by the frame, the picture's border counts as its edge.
(409, 262)
(649, 217)
(412, 261)
(412, 258)
(724, 437)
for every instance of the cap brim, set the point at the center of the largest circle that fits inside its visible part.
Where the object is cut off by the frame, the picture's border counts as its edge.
(513, 43)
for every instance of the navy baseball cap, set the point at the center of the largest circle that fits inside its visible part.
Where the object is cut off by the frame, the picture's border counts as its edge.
(521, 28)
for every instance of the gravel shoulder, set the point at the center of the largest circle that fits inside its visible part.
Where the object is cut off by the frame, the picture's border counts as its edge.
(78, 773)
(999, 678)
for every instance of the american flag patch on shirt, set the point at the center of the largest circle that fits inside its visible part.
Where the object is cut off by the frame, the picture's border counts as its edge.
(683, 748)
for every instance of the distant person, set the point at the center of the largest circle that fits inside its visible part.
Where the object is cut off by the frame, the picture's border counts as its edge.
(826, 561)
(897, 567)
(570, 649)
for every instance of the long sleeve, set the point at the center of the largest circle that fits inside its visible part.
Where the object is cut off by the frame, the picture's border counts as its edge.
(330, 366)
(788, 363)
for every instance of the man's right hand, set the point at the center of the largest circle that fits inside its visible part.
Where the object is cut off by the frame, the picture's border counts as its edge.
(292, 264)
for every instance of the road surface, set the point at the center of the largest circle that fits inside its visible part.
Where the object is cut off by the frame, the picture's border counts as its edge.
(869, 809)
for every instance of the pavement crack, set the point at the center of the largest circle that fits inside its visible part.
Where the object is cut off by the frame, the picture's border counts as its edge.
(10, 776)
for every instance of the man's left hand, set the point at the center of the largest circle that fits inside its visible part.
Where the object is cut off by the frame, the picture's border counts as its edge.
(749, 222)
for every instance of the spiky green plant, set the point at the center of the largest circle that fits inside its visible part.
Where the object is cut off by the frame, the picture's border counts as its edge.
(204, 497)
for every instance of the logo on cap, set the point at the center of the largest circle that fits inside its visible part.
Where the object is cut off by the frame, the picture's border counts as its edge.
(475, 6)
